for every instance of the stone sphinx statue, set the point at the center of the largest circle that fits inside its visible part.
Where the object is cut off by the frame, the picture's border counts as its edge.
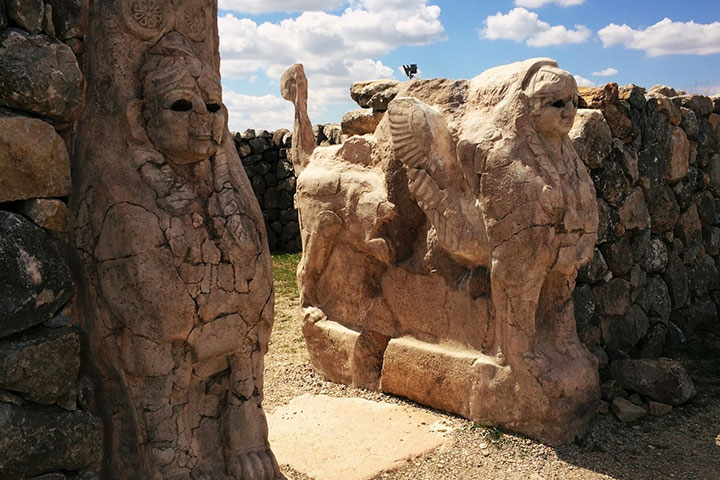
(440, 251)
(176, 295)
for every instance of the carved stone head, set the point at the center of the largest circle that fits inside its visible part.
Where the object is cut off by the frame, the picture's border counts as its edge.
(181, 110)
(553, 101)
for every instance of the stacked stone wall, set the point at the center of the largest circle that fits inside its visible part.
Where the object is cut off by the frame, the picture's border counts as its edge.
(654, 158)
(45, 428)
(265, 158)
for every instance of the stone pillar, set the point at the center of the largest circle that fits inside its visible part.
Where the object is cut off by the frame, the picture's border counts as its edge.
(175, 286)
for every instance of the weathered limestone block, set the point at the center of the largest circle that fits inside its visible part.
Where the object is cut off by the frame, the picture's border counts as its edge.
(360, 122)
(42, 365)
(375, 94)
(39, 75)
(34, 278)
(28, 14)
(606, 98)
(171, 250)
(39, 439)
(33, 159)
(663, 380)
(422, 277)
(591, 137)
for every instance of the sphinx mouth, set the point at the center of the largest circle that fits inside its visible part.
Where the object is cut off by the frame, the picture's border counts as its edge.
(201, 136)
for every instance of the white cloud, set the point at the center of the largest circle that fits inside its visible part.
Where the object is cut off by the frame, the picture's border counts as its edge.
(336, 50)
(540, 3)
(583, 82)
(666, 38)
(267, 6)
(608, 72)
(246, 111)
(522, 25)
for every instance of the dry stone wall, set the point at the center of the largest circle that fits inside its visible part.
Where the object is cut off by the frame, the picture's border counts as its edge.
(45, 425)
(654, 158)
(265, 158)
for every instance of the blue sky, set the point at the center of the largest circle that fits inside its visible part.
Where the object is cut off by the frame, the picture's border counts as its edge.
(643, 42)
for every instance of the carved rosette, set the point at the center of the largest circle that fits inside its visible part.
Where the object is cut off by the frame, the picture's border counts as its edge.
(148, 19)
(194, 22)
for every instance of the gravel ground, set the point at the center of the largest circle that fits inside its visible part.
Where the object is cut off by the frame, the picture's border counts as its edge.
(684, 445)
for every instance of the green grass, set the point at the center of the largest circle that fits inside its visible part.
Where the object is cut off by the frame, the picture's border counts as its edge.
(284, 273)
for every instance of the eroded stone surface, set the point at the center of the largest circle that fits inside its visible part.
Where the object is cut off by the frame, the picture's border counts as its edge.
(330, 438)
(663, 380)
(39, 75)
(177, 298)
(33, 159)
(459, 294)
(34, 278)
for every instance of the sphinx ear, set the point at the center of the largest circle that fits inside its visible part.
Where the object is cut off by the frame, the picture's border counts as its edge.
(136, 125)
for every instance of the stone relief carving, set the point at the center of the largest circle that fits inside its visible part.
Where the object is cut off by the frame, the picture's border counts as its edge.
(178, 299)
(440, 252)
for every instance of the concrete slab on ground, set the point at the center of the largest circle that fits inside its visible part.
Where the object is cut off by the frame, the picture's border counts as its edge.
(330, 438)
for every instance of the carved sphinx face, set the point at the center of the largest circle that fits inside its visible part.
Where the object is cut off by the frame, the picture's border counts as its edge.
(186, 119)
(554, 101)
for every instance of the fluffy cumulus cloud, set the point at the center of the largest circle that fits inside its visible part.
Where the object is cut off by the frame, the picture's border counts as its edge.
(540, 3)
(666, 38)
(267, 6)
(608, 72)
(521, 24)
(336, 50)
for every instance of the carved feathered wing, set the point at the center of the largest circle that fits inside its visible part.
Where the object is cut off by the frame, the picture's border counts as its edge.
(422, 142)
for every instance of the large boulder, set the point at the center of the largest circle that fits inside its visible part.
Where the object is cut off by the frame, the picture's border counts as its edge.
(42, 365)
(360, 122)
(39, 75)
(663, 380)
(375, 94)
(34, 278)
(39, 439)
(606, 98)
(591, 137)
(33, 160)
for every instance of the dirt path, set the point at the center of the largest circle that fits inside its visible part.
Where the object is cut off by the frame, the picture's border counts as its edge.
(683, 445)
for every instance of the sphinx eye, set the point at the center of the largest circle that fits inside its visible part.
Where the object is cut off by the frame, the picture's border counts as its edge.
(181, 105)
(559, 104)
(212, 107)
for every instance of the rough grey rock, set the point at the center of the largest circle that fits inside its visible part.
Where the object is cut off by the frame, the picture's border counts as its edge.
(27, 14)
(713, 170)
(676, 279)
(655, 298)
(42, 365)
(618, 255)
(375, 94)
(39, 439)
(689, 122)
(711, 240)
(611, 183)
(39, 75)
(627, 158)
(626, 411)
(591, 137)
(706, 208)
(663, 380)
(584, 303)
(613, 297)
(34, 278)
(609, 224)
(700, 104)
(634, 212)
(594, 270)
(653, 344)
(652, 167)
(622, 333)
(70, 17)
(662, 90)
(33, 160)
(655, 257)
(664, 210)
(611, 389)
(689, 228)
(703, 276)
